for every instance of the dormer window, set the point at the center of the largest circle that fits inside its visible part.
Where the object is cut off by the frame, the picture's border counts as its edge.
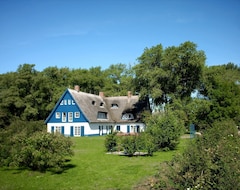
(127, 116)
(102, 115)
(114, 106)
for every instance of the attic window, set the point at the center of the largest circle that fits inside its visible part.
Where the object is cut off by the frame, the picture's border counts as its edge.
(102, 115)
(93, 103)
(101, 104)
(127, 116)
(114, 106)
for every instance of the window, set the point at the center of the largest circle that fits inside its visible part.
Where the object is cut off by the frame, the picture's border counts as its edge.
(114, 106)
(69, 102)
(70, 116)
(64, 116)
(58, 129)
(73, 103)
(61, 102)
(101, 104)
(118, 128)
(93, 102)
(58, 115)
(65, 102)
(77, 114)
(102, 115)
(127, 116)
(77, 130)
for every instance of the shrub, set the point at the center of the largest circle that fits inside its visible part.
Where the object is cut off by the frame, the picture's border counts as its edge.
(210, 162)
(129, 144)
(165, 129)
(38, 150)
(111, 142)
(43, 151)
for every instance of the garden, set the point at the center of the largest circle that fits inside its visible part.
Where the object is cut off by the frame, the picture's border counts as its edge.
(90, 168)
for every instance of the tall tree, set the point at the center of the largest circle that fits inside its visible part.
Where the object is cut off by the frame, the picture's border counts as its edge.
(119, 79)
(169, 73)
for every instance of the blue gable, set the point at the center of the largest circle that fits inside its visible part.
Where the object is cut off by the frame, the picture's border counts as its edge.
(66, 110)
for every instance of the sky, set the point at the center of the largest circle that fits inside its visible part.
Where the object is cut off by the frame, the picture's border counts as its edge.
(91, 33)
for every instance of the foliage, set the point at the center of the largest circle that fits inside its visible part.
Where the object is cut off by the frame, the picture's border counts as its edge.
(174, 72)
(111, 142)
(129, 144)
(30, 95)
(26, 144)
(165, 129)
(89, 168)
(210, 162)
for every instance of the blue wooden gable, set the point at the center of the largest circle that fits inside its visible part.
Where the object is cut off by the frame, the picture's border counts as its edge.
(66, 110)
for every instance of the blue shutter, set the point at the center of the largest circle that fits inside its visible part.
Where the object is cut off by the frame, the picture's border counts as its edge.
(128, 129)
(52, 129)
(62, 132)
(71, 131)
(82, 130)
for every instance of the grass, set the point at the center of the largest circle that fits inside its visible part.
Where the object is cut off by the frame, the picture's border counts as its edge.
(90, 168)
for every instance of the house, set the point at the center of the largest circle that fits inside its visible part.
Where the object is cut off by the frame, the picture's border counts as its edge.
(82, 114)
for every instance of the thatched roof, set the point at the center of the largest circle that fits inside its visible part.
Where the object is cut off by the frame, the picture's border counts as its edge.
(115, 107)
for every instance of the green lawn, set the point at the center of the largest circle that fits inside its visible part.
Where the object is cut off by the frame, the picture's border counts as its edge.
(90, 168)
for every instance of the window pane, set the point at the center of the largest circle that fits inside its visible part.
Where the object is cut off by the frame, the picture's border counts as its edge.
(64, 117)
(70, 116)
(58, 115)
(77, 114)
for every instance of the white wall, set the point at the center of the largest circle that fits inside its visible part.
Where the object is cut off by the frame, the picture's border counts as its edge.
(95, 129)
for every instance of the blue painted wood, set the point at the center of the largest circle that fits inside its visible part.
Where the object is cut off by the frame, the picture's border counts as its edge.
(52, 129)
(82, 131)
(65, 104)
(71, 131)
(128, 129)
(62, 130)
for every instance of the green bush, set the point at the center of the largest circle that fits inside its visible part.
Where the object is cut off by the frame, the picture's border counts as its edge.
(38, 150)
(129, 144)
(165, 129)
(210, 161)
(111, 142)
(43, 151)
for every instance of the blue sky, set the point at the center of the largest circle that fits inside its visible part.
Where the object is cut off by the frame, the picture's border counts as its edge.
(90, 33)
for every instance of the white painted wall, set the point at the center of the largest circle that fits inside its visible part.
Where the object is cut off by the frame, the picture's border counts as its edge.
(95, 129)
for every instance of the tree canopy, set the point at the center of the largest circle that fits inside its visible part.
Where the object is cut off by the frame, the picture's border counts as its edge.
(173, 72)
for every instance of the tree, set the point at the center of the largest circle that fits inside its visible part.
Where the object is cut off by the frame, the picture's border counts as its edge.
(119, 80)
(169, 73)
(221, 89)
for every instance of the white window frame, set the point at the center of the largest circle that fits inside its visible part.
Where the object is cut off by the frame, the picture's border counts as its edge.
(70, 116)
(77, 131)
(58, 129)
(64, 116)
(69, 102)
(73, 103)
(77, 114)
(58, 115)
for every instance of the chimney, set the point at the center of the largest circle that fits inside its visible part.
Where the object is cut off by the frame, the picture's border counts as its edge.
(101, 94)
(129, 94)
(77, 88)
